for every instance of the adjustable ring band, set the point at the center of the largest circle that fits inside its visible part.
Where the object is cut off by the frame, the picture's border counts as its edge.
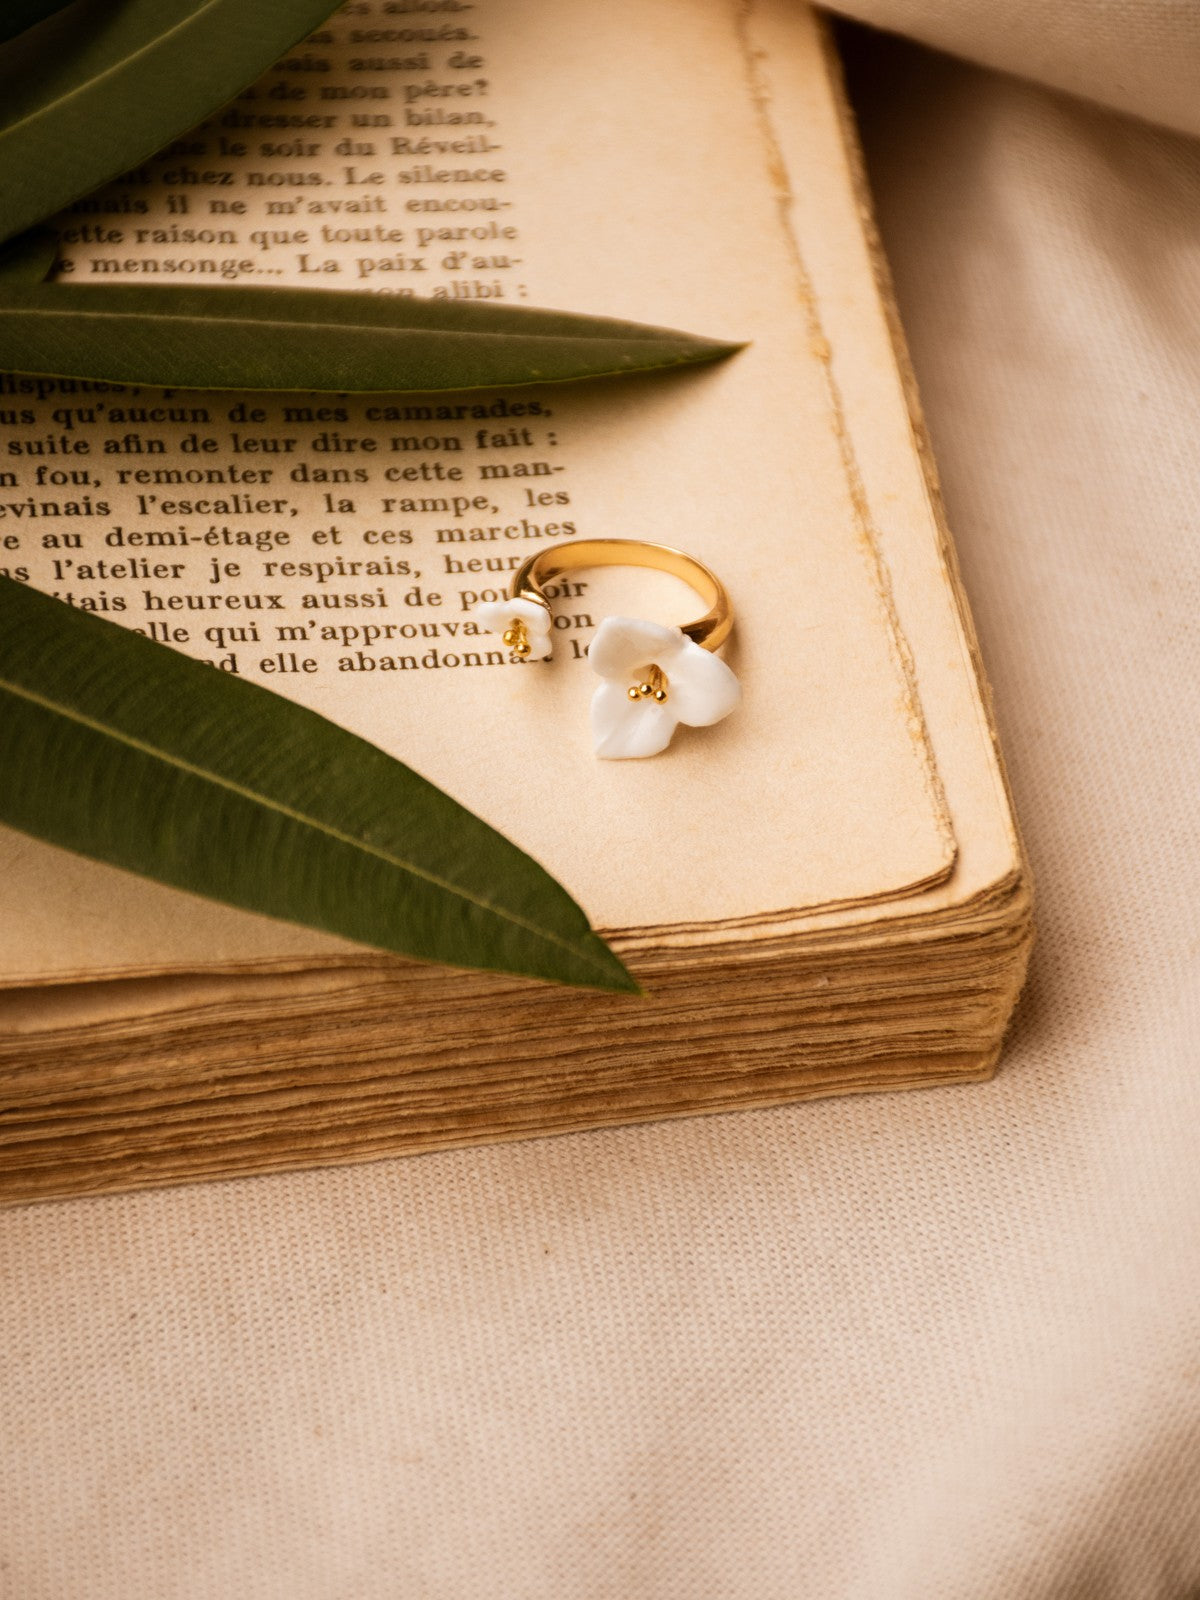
(711, 630)
(653, 677)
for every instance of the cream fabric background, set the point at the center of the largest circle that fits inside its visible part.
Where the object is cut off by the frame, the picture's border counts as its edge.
(935, 1346)
(1141, 56)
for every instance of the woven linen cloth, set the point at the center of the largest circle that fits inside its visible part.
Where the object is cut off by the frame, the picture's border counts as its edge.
(1141, 56)
(941, 1345)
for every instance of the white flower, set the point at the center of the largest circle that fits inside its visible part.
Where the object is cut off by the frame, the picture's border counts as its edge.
(520, 622)
(654, 679)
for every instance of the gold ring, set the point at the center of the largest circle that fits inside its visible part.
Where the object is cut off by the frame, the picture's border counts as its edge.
(711, 630)
(653, 677)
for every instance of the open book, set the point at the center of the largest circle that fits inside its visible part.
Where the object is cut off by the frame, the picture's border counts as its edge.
(823, 893)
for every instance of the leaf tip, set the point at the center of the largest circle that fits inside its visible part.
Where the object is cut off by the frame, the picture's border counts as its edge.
(628, 984)
(720, 348)
(609, 972)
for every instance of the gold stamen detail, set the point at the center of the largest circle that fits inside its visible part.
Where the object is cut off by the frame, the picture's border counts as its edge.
(517, 638)
(654, 687)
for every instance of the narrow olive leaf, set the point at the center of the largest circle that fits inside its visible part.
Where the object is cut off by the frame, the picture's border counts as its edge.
(115, 83)
(126, 751)
(28, 258)
(239, 338)
(18, 15)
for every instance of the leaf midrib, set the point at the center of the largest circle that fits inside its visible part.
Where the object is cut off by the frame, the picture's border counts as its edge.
(167, 759)
(99, 77)
(263, 323)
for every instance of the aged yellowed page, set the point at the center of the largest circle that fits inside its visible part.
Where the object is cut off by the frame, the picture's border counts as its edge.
(808, 125)
(329, 547)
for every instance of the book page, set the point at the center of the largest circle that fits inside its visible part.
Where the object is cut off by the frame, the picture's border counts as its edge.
(876, 395)
(330, 547)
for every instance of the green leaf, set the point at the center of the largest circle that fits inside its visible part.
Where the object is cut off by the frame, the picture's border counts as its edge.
(17, 15)
(99, 90)
(27, 258)
(239, 338)
(129, 752)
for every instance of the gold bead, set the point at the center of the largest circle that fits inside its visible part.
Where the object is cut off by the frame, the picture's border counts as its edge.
(660, 695)
(509, 636)
(634, 692)
(645, 690)
(522, 647)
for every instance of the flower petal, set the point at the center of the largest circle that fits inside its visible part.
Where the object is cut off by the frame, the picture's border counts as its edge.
(702, 688)
(499, 615)
(494, 615)
(536, 617)
(625, 729)
(624, 644)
